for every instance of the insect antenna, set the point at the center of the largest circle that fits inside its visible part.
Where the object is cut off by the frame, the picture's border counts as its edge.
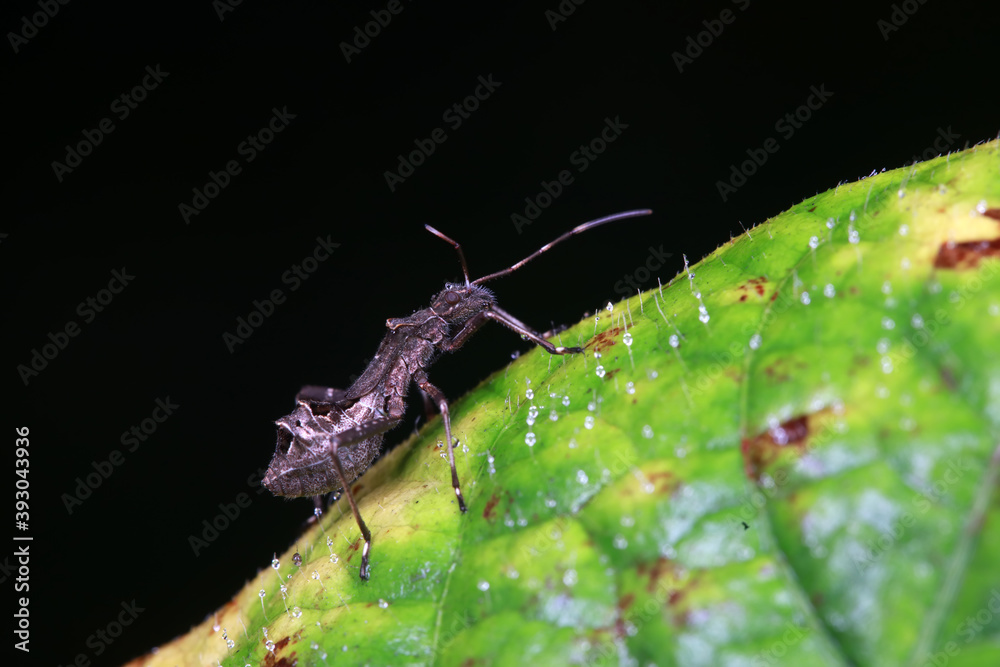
(579, 229)
(461, 255)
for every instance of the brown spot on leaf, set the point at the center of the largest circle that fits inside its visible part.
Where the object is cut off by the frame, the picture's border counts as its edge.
(353, 547)
(965, 255)
(271, 657)
(658, 569)
(762, 450)
(680, 614)
(948, 376)
(664, 482)
(774, 372)
(782, 370)
(610, 374)
(490, 506)
(795, 430)
(625, 601)
(752, 286)
(811, 209)
(605, 339)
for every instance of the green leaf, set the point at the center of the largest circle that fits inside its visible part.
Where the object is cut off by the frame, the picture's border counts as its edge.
(789, 455)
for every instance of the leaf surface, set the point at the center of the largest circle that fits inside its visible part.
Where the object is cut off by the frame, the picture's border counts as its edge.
(788, 455)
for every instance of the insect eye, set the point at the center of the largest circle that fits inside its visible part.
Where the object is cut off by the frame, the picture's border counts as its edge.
(452, 297)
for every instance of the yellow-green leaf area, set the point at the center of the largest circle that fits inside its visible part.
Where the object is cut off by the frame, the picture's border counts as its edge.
(786, 455)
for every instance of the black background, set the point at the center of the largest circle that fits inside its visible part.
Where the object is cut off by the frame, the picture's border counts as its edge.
(324, 176)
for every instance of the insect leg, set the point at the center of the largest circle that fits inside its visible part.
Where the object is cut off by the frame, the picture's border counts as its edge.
(497, 314)
(503, 317)
(430, 409)
(365, 533)
(471, 326)
(348, 437)
(438, 397)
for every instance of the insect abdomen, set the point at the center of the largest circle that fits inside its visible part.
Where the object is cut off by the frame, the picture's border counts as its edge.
(301, 464)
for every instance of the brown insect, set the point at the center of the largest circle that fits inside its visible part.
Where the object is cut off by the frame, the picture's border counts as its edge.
(334, 435)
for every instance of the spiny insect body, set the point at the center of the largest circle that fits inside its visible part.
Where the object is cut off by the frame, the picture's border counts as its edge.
(334, 435)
